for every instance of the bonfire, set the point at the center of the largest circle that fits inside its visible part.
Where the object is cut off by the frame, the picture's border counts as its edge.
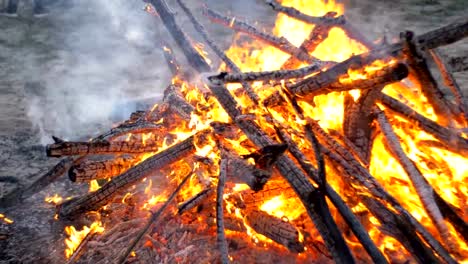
(308, 144)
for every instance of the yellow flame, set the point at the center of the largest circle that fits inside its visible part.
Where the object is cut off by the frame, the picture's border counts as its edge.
(75, 237)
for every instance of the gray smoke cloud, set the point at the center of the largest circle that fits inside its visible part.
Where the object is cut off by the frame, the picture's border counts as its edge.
(103, 57)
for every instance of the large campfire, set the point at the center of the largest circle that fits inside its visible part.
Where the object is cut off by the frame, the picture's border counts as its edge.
(308, 144)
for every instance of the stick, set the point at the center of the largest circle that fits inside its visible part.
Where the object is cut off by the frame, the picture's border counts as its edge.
(193, 57)
(424, 190)
(195, 200)
(221, 236)
(278, 42)
(154, 217)
(19, 195)
(292, 12)
(93, 201)
(69, 148)
(268, 75)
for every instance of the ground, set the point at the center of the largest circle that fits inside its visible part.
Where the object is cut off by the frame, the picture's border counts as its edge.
(78, 70)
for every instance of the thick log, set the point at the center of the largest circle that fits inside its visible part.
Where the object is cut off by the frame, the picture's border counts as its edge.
(338, 79)
(219, 52)
(444, 35)
(450, 81)
(293, 12)
(87, 169)
(167, 16)
(240, 171)
(196, 200)
(400, 230)
(450, 139)
(429, 87)
(358, 120)
(423, 189)
(99, 147)
(177, 103)
(20, 194)
(313, 201)
(154, 217)
(276, 229)
(316, 36)
(250, 199)
(268, 75)
(221, 236)
(459, 64)
(349, 146)
(93, 201)
(280, 43)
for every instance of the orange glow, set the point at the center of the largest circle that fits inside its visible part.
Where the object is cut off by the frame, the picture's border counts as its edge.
(6, 219)
(55, 199)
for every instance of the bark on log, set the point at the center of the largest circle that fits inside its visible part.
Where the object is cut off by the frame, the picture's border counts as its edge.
(92, 201)
(167, 16)
(313, 201)
(338, 79)
(276, 229)
(423, 189)
(177, 103)
(451, 140)
(154, 217)
(400, 230)
(196, 200)
(357, 124)
(292, 12)
(422, 73)
(279, 42)
(349, 146)
(99, 147)
(268, 75)
(87, 170)
(444, 35)
(133, 127)
(220, 53)
(20, 194)
(450, 81)
(451, 215)
(221, 236)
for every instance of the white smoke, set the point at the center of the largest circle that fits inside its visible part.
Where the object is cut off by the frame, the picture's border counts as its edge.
(106, 57)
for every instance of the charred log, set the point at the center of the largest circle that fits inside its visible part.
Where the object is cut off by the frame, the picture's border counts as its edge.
(88, 169)
(177, 103)
(221, 236)
(94, 200)
(196, 200)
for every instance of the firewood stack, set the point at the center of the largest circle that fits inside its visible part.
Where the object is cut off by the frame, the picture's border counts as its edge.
(241, 140)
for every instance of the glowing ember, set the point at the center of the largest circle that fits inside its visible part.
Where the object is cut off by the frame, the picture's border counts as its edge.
(6, 219)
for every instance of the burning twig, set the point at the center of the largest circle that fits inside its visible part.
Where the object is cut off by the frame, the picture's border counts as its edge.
(193, 57)
(279, 42)
(222, 243)
(154, 217)
(292, 12)
(196, 200)
(423, 189)
(94, 200)
(313, 202)
(19, 195)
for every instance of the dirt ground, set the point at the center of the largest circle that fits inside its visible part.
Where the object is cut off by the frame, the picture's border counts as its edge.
(60, 75)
